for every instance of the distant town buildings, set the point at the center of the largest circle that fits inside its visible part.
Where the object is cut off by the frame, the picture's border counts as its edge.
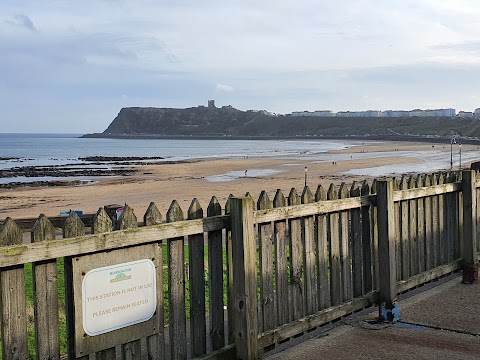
(377, 113)
(370, 113)
(325, 113)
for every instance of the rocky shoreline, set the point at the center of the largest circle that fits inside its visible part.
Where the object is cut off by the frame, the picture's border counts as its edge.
(16, 184)
(90, 167)
(51, 171)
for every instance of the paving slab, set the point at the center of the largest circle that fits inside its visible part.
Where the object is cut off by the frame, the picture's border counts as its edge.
(453, 306)
(395, 342)
(441, 322)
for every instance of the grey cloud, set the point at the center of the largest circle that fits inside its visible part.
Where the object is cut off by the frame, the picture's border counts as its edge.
(76, 49)
(471, 46)
(417, 74)
(23, 21)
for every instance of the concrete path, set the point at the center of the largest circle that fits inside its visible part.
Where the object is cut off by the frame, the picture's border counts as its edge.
(442, 322)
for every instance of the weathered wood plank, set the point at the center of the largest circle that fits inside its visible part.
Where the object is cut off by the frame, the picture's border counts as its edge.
(470, 265)
(441, 224)
(57, 221)
(367, 239)
(215, 279)
(230, 294)
(296, 260)
(357, 248)
(413, 229)
(196, 255)
(281, 274)
(428, 228)
(345, 256)
(450, 208)
(324, 207)
(267, 294)
(428, 275)
(438, 189)
(374, 231)
(435, 226)
(176, 288)
(460, 218)
(455, 254)
(152, 216)
(313, 321)
(321, 236)
(308, 238)
(128, 220)
(45, 292)
(477, 193)
(108, 354)
(13, 316)
(46, 250)
(421, 228)
(245, 278)
(404, 232)
(156, 343)
(102, 224)
(72, 227)
(386, 244)
(225, 353)
(398, 235)
(335, 275)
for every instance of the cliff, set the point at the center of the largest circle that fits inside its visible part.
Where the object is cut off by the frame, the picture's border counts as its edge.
(231, 122)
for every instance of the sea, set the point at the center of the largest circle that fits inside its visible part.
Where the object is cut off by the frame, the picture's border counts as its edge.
(62, 149)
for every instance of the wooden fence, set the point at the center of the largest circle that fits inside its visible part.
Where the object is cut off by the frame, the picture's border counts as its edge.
(239, 280)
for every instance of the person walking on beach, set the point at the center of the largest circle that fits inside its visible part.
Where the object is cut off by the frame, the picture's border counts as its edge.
(245, 173)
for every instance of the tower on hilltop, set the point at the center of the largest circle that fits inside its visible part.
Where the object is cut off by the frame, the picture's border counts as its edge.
(211, 103)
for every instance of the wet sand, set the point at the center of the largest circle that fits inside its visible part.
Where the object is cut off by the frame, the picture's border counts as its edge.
(204, 179)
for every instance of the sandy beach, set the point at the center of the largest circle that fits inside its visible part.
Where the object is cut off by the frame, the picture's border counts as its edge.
(206, 178)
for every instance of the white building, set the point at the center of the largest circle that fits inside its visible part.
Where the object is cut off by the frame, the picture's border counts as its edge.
(321, 113)
(395, 113)
(440, 112)
(301, 113)
(371, 113)
(465, 114)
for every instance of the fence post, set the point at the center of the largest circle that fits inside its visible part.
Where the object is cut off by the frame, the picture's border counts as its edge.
(470, 263)
(388, 307)
(244, 249)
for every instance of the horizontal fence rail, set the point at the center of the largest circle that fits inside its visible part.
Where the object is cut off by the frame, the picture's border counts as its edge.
(47, 250)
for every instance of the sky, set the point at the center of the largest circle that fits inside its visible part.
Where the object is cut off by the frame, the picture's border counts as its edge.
(70, 66)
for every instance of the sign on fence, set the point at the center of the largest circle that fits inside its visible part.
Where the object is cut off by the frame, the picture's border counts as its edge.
(117, 296)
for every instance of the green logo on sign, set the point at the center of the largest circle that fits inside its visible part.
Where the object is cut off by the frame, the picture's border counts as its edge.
(120, 277)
